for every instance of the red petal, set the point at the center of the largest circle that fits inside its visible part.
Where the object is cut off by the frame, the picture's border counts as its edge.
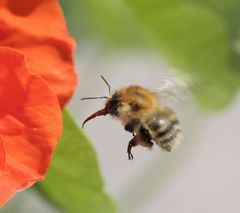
(38, 29)
(2, 158)
(30, 125)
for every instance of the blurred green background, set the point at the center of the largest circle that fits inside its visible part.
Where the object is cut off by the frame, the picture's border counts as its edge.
(199, 39)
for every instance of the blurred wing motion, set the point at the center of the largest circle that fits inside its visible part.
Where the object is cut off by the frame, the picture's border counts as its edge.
(179, 88)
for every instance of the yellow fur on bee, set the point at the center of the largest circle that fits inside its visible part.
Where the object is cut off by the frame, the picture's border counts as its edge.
(146, 100)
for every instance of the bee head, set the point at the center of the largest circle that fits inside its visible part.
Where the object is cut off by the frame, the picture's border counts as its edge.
(110, 106)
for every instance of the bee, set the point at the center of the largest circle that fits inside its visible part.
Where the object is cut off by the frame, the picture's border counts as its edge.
(143, 114)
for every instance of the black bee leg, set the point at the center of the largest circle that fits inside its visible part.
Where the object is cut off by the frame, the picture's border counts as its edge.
(145, 134)
(146, 139)
(149, 143)
(131, 126)
(131, 144)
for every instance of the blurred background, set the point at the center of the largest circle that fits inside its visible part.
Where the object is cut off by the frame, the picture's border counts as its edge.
(143, 42)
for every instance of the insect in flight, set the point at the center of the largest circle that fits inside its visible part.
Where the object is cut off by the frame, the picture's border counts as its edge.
(144, 115)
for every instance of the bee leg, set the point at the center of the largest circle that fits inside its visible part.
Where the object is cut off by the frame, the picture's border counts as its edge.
(131, 144)
(131, 125)
(145, 138)
(145, 142)
(145, 134)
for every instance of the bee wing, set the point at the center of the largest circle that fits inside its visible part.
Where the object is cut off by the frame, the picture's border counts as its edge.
(179, 88)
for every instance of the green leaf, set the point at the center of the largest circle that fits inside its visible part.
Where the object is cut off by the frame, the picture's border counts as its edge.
(107, 20)
(73, 181)
(195, 39)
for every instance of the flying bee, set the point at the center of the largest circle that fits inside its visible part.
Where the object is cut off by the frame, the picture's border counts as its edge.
(144, 115)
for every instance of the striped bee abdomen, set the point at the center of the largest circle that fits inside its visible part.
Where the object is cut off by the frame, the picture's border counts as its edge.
(165, 130)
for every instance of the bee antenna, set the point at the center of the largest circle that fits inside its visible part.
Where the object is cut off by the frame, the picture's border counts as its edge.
(109, 87)
(88, 98)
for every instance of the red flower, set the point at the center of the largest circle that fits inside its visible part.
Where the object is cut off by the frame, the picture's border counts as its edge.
(30, 125)
(35, 59)
(37, 29)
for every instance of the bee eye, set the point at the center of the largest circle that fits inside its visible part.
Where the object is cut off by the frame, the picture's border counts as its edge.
(134, 106)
